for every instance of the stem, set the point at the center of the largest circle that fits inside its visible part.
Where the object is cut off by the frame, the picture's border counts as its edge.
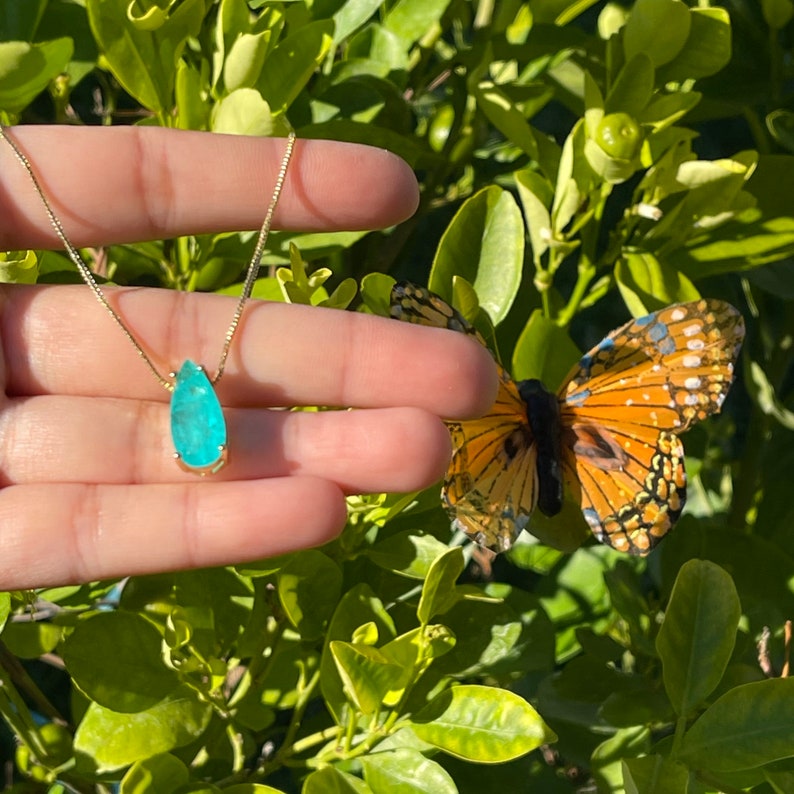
(315, 738)
(587, 273)
(16, 713)
(758, 130)
(20, 677)
(587, 266)
(678, 738)
(236, 743)
(260, 665)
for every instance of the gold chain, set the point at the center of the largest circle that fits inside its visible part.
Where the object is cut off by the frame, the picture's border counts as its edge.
(88, 276)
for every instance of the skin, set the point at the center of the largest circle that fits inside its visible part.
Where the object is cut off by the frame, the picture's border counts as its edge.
(89, 488)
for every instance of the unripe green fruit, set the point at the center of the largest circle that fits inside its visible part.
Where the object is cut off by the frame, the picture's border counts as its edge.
(619, 136)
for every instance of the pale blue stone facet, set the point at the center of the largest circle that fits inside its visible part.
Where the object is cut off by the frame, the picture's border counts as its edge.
(197, 424)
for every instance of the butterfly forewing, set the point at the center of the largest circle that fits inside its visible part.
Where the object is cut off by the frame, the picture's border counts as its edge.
(663, 371)
(491, 485)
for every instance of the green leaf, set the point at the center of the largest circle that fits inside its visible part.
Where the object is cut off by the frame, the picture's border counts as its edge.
(358, 606)
(162, 772)
(637, 707)
(707, 49)
(293, 61)
(342, 296)
(405, 771)
(499, 640)
(409, 20)
(376, 293)
(481, 724)
(544, 351)
(26, 70)
(606, 760)
(484, 243)
(777, 13)
(113, 740)
(409, 553)
(655, 774)
(367, 674)
(647, 285)
(576, 593)
(192, 110)
(781, 780)
(309, 587)
(351, 15)
(243, 112)
(506, 116)
(698, 633)
(438, 591)
(536, 194)
(243, 63)
(657, 28)
(331, 780)
(30, 640)
(633, 87)
(5, 611)
(747, 727)
(143, 51)
(663, 111)
(125, 647)
(413, 652)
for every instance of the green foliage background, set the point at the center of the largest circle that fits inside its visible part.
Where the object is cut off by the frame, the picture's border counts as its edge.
(578, 161)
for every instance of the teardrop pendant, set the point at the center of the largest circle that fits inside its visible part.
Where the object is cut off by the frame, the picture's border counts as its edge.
(198, 428)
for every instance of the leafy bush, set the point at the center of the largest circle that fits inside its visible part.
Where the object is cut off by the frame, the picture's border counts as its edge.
(603, 136)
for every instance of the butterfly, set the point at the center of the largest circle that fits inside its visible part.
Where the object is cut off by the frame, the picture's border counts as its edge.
(609, 436)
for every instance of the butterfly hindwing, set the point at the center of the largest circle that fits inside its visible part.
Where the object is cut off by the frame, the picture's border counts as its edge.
(490, 488)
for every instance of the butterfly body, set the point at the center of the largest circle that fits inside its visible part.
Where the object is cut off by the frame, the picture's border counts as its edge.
(543, 419)
(609, 437)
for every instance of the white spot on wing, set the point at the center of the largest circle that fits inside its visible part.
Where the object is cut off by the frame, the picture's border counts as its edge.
(692, 361)
(693, 383)
(691, 330)
(695, 344)
(678, 314)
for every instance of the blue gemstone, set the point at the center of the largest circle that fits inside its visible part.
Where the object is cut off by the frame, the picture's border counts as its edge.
(198, 428)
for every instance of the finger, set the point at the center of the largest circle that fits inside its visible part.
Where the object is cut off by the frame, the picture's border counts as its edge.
(122, 184)
(57, 340)
(76, 439)
(106, 531)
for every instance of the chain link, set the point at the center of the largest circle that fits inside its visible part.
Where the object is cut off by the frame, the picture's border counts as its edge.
(91, 282)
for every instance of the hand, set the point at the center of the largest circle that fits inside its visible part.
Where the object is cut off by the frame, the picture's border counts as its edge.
(90, 489)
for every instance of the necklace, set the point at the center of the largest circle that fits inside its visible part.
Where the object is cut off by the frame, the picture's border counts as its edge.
(198, 427)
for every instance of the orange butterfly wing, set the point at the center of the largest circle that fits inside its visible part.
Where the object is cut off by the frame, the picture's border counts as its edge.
(491, 485)
(623, 405)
